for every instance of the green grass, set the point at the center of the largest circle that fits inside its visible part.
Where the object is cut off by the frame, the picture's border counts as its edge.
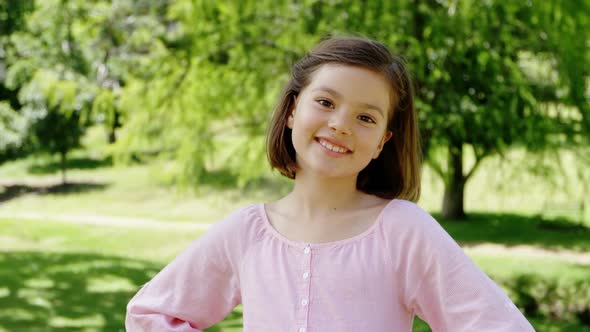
(514, 229)
(72, 291)
(143, 191)
(49, 291)
(159, 245)
(59, 276)
(72, 277)
(507, 266)
(111, 191)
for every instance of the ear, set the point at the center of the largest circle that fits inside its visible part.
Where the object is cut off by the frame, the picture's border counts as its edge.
(291, 118)
(384, 140)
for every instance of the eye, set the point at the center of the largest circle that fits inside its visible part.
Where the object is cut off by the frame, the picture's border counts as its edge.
(325, 103)
(366, 118)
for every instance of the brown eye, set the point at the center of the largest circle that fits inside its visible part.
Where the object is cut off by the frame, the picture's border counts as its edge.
(366, 118)
(325, 103)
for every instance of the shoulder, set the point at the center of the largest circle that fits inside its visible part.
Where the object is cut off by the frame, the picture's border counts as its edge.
(405, 221)
(231, 236)
(222, 246)
(241, 225)
(400, 212)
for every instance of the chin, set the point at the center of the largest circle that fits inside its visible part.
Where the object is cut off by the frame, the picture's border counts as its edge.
(332, 173)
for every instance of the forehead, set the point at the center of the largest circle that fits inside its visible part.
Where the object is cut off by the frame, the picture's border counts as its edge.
(355, 84)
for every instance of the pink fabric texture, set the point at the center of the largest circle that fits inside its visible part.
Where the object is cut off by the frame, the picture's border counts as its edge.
(405, 264)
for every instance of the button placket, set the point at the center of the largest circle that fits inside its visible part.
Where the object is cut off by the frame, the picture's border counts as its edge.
(306, 287)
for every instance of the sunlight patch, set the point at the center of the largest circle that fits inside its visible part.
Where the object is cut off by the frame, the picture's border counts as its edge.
(82, 267)
(4, 292)
(40, 283)
(53, 241)
(15, 243)
(109, 284)
(39, 302)
(17, 314)
(27, 293)
(95, 320)
(134, 265)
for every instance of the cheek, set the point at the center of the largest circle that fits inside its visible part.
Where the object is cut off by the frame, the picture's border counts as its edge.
(309, 120)
(371, 136)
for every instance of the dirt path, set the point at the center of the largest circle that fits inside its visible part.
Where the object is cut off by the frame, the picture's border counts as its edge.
(494, 249)
(535, 252)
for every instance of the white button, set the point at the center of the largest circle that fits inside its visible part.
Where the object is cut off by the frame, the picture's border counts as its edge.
(302, 329)
(305, 275)
(304, 302)
(307, 250)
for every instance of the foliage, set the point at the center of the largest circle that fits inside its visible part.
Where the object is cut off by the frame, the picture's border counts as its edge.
(558, 300)
(13, 130)
(13, 125)
(172, 79)
(107, 281)
(468, 59)
(54, 108)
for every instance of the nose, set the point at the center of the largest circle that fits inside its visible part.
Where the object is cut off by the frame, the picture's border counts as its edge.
(340, 122)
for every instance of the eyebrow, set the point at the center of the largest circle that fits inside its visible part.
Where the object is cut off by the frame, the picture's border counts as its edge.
(339, 95)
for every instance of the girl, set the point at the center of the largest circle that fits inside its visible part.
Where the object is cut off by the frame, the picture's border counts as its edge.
(346, 250)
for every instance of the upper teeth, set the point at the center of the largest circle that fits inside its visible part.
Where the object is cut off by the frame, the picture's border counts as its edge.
(332, 147)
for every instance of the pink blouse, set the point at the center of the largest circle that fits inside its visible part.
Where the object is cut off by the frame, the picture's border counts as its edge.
(405, 264)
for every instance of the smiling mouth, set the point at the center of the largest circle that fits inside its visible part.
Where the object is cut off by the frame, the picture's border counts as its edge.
(332, 147)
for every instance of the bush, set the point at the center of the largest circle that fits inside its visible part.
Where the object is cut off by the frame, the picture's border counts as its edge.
(561, 300)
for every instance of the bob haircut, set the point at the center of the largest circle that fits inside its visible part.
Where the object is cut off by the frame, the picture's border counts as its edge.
(396, 172)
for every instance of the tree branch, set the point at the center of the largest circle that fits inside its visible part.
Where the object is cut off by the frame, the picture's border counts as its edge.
(478, 158)
(437, 169)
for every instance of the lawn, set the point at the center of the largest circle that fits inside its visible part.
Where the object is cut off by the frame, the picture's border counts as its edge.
(57, 274)
(67, 277)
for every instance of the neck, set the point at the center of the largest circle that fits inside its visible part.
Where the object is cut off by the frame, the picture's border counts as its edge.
(315, 196)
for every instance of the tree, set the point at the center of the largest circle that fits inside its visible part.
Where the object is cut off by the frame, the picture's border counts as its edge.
(59, 105)
(468, 59)
(48, 67)
(474, 91)
(13, 130)
(13, 124)
(216, 74)
(172, 79)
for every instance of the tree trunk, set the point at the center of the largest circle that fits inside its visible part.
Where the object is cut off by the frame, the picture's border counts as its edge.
(455, 184)
(63, 155)
(112, 136)
(113, 128)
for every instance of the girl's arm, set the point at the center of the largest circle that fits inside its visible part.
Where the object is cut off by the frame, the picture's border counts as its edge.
(445, 288)
(198, 289)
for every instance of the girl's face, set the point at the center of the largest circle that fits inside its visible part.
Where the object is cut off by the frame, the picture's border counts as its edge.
(339, 121)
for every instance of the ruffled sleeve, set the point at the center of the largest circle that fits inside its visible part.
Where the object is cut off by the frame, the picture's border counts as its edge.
(442, 285)
(197, 289)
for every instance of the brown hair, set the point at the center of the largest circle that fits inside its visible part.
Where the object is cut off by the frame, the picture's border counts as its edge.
(396, 172)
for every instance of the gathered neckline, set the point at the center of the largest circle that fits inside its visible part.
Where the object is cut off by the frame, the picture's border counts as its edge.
(261, 211)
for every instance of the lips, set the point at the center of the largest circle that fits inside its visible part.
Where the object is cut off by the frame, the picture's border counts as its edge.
(333, 145)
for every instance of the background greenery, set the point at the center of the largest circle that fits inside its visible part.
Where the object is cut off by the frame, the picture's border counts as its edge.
(128, 126)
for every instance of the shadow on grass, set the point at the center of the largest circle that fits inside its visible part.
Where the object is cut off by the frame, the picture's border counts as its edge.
(219, 179)
(54, 166)
(514, 229)
(14, 190)
(72, 291)
(58, 292)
